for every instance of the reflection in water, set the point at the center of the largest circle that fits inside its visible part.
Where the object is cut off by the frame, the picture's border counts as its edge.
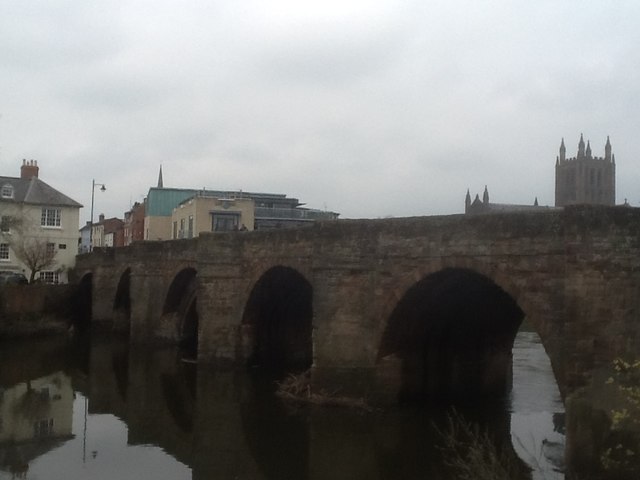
(537, 419)
(273, 432)
(35, 417)
(69, 412)
(535, 389)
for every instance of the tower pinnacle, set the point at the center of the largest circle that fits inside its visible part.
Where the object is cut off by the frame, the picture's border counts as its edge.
(586, 179)
(581, 147)
(160, 183)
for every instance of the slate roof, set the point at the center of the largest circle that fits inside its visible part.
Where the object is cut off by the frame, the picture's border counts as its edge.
(36, 192)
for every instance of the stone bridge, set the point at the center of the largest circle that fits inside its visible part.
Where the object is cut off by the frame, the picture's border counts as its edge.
(410, 307)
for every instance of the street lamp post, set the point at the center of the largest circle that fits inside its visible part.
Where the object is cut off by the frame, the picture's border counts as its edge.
(93, 191)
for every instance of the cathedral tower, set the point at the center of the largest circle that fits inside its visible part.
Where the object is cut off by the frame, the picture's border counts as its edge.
(585, 178)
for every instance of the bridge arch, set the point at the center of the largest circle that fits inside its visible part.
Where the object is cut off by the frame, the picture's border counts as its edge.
(81, 317)
(180, 308)
(402, 281)
(122, 303)
(451, 335)
(278, 320)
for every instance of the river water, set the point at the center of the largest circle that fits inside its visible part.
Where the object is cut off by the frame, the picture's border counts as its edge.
(100, 410)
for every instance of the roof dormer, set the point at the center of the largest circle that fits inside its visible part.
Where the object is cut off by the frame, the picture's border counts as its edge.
(7, 191)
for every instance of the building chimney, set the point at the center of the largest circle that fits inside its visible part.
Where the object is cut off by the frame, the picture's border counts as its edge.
(101, 218)
(29, 169)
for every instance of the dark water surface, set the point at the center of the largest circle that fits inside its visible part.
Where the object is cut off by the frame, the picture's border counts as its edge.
(100, 410)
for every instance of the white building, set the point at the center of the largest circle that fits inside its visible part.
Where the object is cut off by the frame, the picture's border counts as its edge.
(85, 238)
(35, 218)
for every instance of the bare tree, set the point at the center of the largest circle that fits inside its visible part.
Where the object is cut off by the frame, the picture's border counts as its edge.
(36, 253)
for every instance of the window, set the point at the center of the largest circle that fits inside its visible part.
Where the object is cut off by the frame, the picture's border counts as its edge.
(7, 191)
(224, 222)
(62, 246)
(4, 251)
(50, 217)
(190, 234)
(43, 428)
(5, 223)
(51, 248)
(50, 277)
(175, 230)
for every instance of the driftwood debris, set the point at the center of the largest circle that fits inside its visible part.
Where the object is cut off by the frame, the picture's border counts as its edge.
(297, 388)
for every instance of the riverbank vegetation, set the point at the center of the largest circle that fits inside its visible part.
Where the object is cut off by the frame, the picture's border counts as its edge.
(622, 453)
(470, 453)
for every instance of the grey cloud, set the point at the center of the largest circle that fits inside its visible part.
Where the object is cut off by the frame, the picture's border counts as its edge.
(331, 62)
(39, 35)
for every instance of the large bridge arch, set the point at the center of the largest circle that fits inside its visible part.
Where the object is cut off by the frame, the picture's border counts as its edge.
(537, 294)
(277, 319)
(451, 335)
(400, 281)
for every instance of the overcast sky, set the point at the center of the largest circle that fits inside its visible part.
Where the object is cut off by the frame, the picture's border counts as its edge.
(370, 108)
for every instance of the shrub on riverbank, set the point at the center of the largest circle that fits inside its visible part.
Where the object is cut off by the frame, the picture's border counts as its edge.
(472, 454)
(622, 454)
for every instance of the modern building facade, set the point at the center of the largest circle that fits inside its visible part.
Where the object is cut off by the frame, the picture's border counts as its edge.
(270, 210)
(158, 209)
(585, 178)
(37, 220)
(210, 213)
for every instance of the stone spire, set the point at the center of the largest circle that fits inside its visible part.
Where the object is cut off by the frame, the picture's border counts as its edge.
(581, 147)
(485, 196)
(588, 149)
(467, 201)
(563, 150)
(607, 150)
(160, 184)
